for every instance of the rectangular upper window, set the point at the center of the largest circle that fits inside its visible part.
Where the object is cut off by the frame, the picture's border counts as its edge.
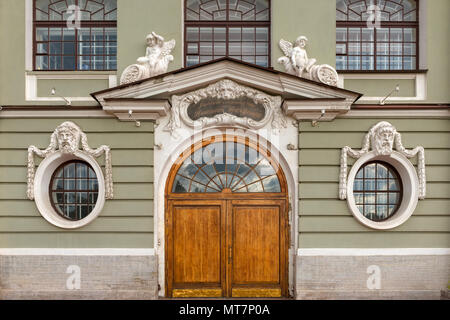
(377, 35)
(234, 28)
(75, 35)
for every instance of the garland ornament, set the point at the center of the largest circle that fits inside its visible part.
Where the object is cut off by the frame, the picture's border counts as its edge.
(381, 139)
(66, 139)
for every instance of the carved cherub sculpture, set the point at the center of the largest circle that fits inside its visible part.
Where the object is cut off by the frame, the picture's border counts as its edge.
(298, 57)
(382, 138)
(156, 60)
(296, 62)
(66, 139)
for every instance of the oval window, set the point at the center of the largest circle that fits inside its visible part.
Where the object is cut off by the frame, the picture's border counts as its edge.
(74, 190)
(377, 190)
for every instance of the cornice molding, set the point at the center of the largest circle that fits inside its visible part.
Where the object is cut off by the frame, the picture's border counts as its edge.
(410, 114)
(320, 110)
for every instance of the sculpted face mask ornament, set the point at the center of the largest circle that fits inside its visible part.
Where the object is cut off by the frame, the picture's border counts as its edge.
(66, 139)
(381, 140)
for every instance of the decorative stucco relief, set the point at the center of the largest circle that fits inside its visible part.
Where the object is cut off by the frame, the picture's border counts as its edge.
(156, 60)
(66, 139)
(296, 62)
(381, 139)
(225, 90)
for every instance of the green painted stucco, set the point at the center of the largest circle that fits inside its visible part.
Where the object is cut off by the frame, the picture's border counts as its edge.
(137, 18)
(381, 87)
(315, 20)
(325, 221)
(125, 221)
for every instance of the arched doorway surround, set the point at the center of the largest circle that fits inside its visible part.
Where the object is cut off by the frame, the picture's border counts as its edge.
(227, 226)
(286, 159)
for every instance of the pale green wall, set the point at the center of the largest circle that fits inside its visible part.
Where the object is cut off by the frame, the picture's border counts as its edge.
(325, 221)
(138, 18)
(381, 87)
(126, 221)
(314, 19)
(438, 50)
(290, 18)
(12, 55)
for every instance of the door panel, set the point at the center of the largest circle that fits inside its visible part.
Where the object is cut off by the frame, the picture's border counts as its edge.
(196, 244)
(197, 238)
(257, 242)
(256, 245)
(226, 248)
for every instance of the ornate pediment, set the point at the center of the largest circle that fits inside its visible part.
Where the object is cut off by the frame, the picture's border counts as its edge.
(226, 103)
(149, 98)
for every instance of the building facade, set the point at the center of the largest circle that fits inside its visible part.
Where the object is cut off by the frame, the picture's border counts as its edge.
(230, 148)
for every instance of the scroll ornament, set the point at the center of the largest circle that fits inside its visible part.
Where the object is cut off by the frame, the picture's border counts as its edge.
(156, 60)
(296, 62)
(382, 138)
(66, 139)
(227, 90)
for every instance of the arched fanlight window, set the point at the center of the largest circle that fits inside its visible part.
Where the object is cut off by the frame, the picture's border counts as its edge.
(377, 35)
(226, 165)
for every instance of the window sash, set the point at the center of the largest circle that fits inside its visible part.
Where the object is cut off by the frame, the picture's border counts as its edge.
(108, 61)
(252, 58)
(391, 45)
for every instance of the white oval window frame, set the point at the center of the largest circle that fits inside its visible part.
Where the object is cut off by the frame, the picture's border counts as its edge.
(43, 176)
(410, 182)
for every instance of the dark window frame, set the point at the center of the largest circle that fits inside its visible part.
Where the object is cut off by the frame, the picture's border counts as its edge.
(391, 169)
(227, 24)
(384, 25)
(63, 24)
(88, 191)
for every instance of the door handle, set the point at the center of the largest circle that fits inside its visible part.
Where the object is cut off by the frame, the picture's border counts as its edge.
(230, 254)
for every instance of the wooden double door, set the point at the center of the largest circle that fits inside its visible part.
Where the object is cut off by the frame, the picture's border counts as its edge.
(226, 247)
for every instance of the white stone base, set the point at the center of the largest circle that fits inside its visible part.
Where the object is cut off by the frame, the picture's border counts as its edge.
(101, 277)
(320, 274)
(402, 276)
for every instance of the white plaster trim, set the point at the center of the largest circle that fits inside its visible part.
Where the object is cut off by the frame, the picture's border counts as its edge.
(181, 19)
(141, 109)
(373, 252)
(190, 80)
(24, 114)
(312, 109)
(76, 252)
(31, 81)
(411, 187)
(441, 114)
(420, 84)
(42, 179)
(228, 90)
(171, 148)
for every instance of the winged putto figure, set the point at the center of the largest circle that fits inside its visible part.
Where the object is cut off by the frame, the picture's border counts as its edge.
(296, 62)
(156, 60)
